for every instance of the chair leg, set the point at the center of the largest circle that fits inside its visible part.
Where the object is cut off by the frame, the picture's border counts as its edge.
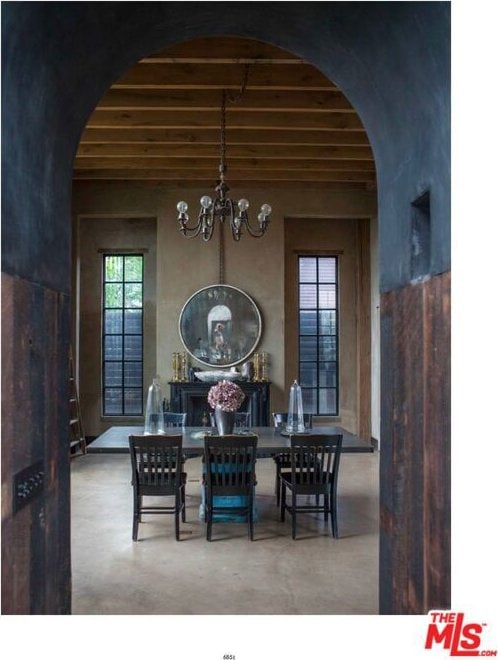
(209, 519)
(282, 501)
(251, 519)
(277, 482)
(136, 517)
(178, 510)
(183, 503)
(203, 486)
(333, 517)
(177, 523)
(326, 507)
(294, 515)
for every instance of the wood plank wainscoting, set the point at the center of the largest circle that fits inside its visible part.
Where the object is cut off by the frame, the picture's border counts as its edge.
(36, 568)
(415, 494)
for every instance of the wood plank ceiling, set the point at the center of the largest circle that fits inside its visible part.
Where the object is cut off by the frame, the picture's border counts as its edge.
(161, 122)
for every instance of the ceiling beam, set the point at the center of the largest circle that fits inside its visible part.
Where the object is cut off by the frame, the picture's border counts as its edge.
(224, 49)
(226, 76)
(199, 151)
(209, 99)
(254, 175)
(211, 164)
(196, 135)
(235, 119)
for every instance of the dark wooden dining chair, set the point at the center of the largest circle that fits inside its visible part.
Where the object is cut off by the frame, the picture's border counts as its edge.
(156, 462)
(229, 463)
(282, 461)
(314, 472)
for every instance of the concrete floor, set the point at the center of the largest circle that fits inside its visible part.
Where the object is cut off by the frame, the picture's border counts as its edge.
(316, 574)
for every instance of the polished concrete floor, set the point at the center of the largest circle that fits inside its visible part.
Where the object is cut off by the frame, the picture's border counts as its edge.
(315, 574)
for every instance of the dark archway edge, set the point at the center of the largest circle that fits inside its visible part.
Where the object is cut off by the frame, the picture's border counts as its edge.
(392, 60)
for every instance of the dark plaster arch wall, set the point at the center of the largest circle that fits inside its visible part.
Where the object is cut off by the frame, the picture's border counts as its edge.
(392, 61)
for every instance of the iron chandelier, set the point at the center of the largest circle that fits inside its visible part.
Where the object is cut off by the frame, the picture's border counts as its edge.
(222, 207)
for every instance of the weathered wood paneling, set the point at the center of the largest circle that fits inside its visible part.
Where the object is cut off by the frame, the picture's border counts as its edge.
(35, 539)
(415, 448)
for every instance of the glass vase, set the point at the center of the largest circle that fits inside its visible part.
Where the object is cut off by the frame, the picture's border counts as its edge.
(154, 417)
(295, 417)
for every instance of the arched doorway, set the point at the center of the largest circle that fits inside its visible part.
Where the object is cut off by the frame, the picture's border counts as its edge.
(399, 98)
(165, 110)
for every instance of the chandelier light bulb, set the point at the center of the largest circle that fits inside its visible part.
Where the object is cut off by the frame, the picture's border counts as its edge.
(206, 201)
(182, 207)
(266, 209)
(243, 205)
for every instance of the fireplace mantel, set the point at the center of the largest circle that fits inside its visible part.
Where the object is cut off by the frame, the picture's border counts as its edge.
(192, 399)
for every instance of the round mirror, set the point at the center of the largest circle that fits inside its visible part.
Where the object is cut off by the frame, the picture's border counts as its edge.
(220, 325)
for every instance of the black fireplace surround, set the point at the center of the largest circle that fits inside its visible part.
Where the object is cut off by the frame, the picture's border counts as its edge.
(192, 399)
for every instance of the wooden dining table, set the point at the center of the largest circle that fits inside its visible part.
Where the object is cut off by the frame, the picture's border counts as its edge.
(271, 440)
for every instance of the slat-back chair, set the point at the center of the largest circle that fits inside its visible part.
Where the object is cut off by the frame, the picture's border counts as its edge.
(157, 471)
(282, 461)
(314, 472)
(230, 462)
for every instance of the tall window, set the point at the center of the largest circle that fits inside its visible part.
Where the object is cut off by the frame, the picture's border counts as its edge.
(318, 335)
(122, 341)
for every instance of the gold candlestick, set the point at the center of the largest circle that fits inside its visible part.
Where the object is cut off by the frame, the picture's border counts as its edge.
(256, 367)
(184, 366)
(175, 360)
(263, 376)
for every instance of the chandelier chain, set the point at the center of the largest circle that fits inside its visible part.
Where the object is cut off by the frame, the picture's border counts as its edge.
(223, 131)
(236, 99)
(225, 96)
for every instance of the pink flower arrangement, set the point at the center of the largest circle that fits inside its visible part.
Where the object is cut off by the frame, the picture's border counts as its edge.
(227, 395)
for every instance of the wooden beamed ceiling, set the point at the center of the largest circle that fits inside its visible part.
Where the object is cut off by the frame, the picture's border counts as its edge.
(161, 122)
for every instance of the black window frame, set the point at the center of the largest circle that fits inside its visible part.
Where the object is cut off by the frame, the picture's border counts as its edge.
(125, 412)
(317, 410)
